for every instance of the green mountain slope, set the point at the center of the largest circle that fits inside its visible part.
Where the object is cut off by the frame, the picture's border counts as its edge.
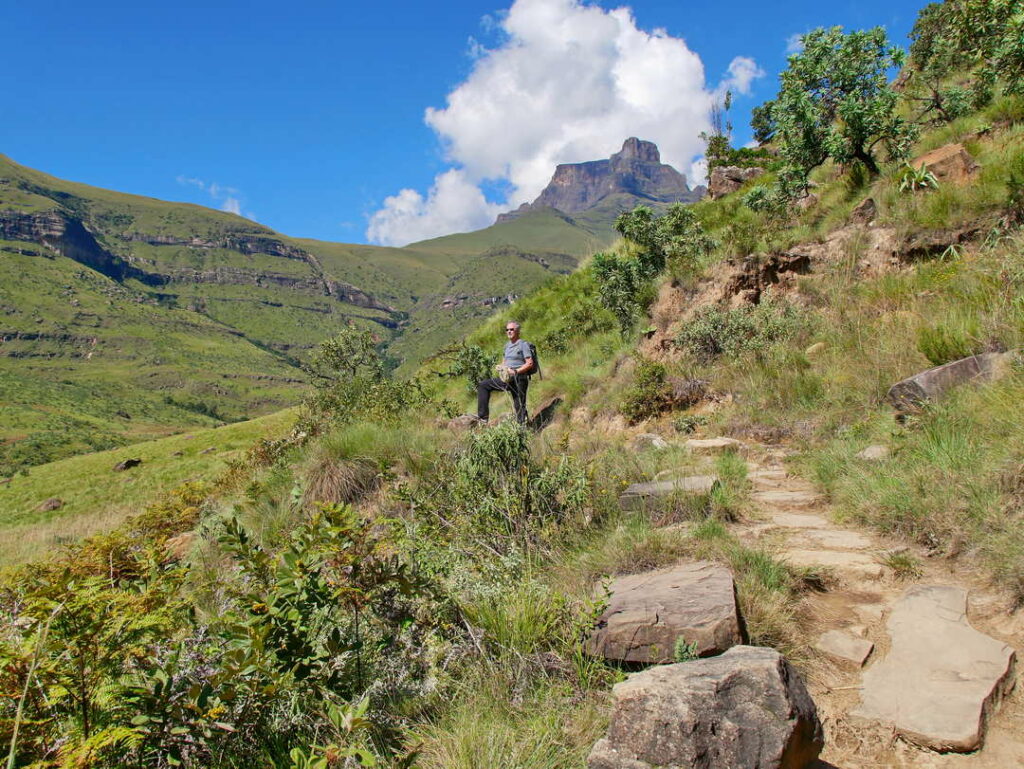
(123, 317)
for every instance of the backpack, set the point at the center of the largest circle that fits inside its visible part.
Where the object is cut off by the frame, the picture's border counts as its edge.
(536, 360)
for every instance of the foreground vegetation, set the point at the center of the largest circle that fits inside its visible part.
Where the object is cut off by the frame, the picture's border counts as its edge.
(373, 589)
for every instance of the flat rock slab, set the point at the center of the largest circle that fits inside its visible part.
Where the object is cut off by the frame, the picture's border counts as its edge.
(636, 495)
(787, 498)
(860, 564)
(647, 613)
(845, 646)
(840, 539)
(712, 445)
(941, 677)
(746, 709)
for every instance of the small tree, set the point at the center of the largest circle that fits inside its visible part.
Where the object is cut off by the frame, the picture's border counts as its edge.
(981, 40)
(352, 353)
(835, 102)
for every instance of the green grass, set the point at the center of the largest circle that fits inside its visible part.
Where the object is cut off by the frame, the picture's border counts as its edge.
(96, 499)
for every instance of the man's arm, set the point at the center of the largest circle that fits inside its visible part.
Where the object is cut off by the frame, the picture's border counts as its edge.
(527, 367)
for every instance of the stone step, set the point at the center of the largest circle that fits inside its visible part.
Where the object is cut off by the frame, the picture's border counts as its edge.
(799, 521)
(843, 562)
(636, 495)
(840, 539)
(941, 677)
(787, 498)
(713, 445)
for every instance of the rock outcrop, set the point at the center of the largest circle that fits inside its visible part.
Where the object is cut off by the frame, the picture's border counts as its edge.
(635, 171)
(727, 179)
(746, 709)
(649, 613)
(951, 163)
(941, 677)
(909, 394)
(638, 495)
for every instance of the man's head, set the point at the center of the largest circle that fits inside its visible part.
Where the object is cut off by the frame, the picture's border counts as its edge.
(512, 331)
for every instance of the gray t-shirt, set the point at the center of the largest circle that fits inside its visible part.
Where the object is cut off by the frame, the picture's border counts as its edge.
(516, 353)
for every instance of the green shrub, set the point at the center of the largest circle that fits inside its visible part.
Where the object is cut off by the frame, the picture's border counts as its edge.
(716, 332)
(648, 394)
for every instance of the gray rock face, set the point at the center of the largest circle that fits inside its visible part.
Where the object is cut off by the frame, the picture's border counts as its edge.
(51, 504)
(638, 494)
(713, 445)
(648, 441)
(635, 170)
(746, 709)
(727, 179)
(941, 677)
(933, 383)
(647, 613)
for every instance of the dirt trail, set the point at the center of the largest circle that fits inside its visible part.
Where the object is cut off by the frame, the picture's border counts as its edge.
(793, 520)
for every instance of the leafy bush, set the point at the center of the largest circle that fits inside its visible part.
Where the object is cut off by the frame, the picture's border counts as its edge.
(648, 394)
(469, 362)
(915, 179)
(625, 279)
(716, 332)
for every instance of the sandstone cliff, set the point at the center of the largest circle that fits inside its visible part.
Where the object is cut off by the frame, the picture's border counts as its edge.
(634, 175)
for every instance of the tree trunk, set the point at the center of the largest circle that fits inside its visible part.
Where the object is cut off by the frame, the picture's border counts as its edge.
(867, 160)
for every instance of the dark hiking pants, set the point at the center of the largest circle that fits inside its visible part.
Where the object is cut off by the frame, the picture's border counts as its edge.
(517, 386)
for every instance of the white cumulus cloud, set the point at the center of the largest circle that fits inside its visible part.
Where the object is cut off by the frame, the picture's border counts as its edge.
(454, 204)
(742, 72)
(568, 82)
(227, 198)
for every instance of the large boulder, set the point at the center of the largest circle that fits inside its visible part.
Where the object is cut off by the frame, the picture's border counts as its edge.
(933, 383)
(941, 677)
(949, 163)
(746, 709)
(727, 179)
(648, 613)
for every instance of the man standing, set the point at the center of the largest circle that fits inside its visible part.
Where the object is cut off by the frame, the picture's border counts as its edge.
(513, 376)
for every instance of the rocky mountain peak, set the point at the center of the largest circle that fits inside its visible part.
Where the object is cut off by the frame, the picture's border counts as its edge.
(632, 176)
(637, 149)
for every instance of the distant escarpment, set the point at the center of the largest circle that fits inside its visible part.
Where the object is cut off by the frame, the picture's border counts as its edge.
(65, 234)
(635, 175)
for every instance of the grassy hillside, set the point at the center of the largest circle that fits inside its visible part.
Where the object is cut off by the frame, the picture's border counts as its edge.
(94, 498)
(383, 590)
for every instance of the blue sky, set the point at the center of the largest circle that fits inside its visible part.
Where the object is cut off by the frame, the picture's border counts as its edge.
(311, 116)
